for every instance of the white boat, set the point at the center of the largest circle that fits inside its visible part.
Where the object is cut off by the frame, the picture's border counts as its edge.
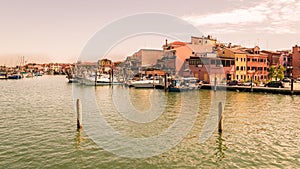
(102, 79)
(183, 84)
(145, 83)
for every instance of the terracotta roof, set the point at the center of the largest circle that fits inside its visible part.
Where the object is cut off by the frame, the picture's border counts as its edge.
(178, 43)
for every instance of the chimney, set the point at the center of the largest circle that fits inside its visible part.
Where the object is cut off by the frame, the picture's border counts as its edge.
(166, 42)
(229, 45)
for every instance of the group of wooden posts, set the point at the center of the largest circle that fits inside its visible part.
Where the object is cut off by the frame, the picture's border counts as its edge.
(79, 116)
(220, 110)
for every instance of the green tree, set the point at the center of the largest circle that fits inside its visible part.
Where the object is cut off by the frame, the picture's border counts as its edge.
(272, 72)
(276, 72)
(280, 73)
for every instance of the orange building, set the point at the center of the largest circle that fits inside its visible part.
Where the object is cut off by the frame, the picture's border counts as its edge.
(177, 54)
(296, 62)
(257, 64)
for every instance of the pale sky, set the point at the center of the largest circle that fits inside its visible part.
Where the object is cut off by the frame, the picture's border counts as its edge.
(57, 30)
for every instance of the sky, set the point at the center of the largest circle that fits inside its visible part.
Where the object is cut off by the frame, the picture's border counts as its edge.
(58, 30)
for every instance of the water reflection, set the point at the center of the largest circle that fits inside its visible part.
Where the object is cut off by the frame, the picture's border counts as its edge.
(79, 139)
(220, 147)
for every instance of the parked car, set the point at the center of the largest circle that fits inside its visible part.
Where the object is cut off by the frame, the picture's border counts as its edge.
(249, 84)
(278, 84)
(286, 79)
(297, 80)
(233, 83)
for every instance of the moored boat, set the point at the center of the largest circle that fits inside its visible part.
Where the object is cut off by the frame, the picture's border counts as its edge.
(184, 84)
(145, 83)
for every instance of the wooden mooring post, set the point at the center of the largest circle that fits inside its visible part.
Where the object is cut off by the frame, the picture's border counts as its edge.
(79, 114)
(166, 82)
(215, 84)
(292, 85)
(220, 119)
(96, 74)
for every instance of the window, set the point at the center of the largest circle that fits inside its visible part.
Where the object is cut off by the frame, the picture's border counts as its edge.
(223, 52)
(232, 62)
(237, 68)
(223, 62)
(241, 59)
(227, 63)
(213, 62)
(248, 59)
(242, 68)
(244, 59)
(248, 68)
(193, 53)
(237, 59)
(237, 77)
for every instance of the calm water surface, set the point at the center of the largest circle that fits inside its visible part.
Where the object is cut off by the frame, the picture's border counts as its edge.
(38, 130)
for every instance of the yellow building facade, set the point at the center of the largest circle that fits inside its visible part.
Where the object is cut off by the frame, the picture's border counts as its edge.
(240, 59)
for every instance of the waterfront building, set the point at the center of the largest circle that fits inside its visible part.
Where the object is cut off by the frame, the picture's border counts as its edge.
(142, 59)
(208, 66)
(257, 64)
(239, 56)
(104, 65)
(176, 55)
(204, 40)
(285, 60)
(296, 61)
(273, 57)
(147, 57)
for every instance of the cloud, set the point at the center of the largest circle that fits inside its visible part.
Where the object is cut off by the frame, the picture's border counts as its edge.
(280, 16)
(252, 15)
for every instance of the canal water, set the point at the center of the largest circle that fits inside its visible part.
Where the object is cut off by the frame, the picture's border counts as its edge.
(38, 128)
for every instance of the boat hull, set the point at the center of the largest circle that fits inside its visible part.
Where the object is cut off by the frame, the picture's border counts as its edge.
(143, 85)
